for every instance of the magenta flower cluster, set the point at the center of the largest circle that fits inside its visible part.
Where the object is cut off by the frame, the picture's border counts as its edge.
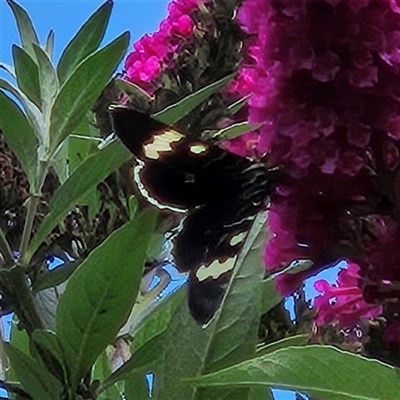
(325, 82)
(155, 52)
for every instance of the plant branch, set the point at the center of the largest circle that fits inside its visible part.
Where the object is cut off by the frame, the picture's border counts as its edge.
(30, 217)
(5, 250)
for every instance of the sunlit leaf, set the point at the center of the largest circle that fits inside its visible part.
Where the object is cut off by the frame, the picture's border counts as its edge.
(26, 30)
(321, 371)
(177, 111)
(83, 87)
(85, 42)
(27, 75)
(94, 170)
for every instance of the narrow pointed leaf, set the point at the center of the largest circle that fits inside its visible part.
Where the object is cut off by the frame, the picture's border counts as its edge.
(321, 371)
(85, 42)
(237, 105)
(36, 380)
(177, 111)
(19, 135)
(235, 130)
(32, 111)
(94, 170)
(26, 30)
(47, 78)
(83, 87)
(235, 325)
(27, 74)
(101, 293)
(49, 46)
(48, 343)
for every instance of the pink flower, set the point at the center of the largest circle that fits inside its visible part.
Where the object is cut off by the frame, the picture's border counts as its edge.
(343, 303)
(325, 88)
(153, 53)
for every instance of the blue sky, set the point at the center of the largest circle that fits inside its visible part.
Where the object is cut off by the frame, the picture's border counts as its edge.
(66, 17)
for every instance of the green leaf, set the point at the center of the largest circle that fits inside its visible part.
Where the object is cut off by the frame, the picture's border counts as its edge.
(56, 276)
(49, 345)
(19, 339)
(237, 105)
(26, 30)
(173, 113)
(83, 87)
(49, 46)
(94, 169)
(34, 115)
(131, 89)
(36, 380)
(101, 293)
(321, 371)
(235, 130)
(27, 75)
(271, 296)
(229, 337)
(85, 42)
(148, 340)
(19, 135)
(101, 370)
(48, 79)
(136, 388)
(235, 325)
(298, 340)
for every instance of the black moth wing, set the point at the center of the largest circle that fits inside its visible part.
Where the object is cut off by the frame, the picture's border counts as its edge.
(220, 193)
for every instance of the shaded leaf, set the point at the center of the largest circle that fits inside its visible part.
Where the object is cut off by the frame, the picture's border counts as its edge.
(298, 340)
(85, 42)
(83, 87)
(94, 170)
(235, 325)
(36, 380)
(148, 340)
(102, 370)
(49, 345)
(19, 135)
(321, 371)
(136, 387)
(237, 105)
(26, 30)
(173, 113)
(27, 75)
(56, 276)
(235, 130)
(101, 293)
(32, 111)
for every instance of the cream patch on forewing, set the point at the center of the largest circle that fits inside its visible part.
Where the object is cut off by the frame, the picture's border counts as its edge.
(161, 143)
(215, 269)
(198, 148)
(237, 238)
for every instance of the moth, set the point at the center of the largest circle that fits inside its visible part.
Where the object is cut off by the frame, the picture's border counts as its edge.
(219, 194)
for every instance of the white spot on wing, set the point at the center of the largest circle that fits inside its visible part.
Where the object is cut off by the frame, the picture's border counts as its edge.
(215, 269)
(198, 148)
(143, 191)
(161, 143)
(237, 238)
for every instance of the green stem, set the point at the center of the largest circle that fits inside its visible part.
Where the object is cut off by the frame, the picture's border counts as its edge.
(5, 250)
(18, 290)
(30, 217)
